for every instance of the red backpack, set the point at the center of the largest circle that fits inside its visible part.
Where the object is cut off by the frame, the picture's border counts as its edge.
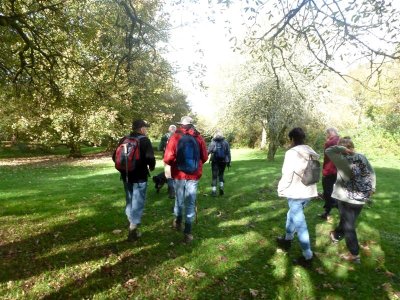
(127, 154)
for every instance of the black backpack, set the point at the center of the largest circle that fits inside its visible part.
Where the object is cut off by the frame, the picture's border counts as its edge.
(219, 152)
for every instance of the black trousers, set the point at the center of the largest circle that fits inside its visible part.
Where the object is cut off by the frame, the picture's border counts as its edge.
(347, 225)
(218, 169)
(327, 186)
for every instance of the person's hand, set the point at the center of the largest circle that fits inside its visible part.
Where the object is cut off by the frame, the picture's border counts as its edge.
(348, 151)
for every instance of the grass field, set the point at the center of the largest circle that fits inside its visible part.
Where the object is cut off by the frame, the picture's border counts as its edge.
(63, 232)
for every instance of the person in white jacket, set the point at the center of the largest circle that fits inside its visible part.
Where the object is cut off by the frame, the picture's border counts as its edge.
(298, 194)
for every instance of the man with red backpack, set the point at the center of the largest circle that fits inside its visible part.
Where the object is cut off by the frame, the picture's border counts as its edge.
(134, 157)
(186, 153)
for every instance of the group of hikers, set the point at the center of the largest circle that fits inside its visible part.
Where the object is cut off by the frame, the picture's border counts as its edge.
(348, 180)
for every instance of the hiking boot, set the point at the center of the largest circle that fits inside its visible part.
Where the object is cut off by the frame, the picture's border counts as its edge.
(332, 235)
(177, 225)
(133, 235)
(355, 259)
(283, 243)
(214, 193)
(187, 238)
(221, 192)
(302, 261)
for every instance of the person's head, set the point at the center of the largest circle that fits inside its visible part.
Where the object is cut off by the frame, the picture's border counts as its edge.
(172, 129)
(346, 142)
(218, 135)
(140, 126)
(186, 121)
(331, 132)
(297, 136)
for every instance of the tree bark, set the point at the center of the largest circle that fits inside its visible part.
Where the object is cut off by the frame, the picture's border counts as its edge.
(74, 149)
(272, 148)
(263, 139)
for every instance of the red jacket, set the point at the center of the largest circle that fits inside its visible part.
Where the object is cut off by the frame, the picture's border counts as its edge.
(328, 168)
(171, 151)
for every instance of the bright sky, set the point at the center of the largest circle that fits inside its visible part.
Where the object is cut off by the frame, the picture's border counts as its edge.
(215, 51)
(196, 40)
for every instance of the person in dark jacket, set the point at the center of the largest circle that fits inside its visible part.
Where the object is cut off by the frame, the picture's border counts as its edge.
(136, 184)
(220, 159)
(185, 184)
(329, 174)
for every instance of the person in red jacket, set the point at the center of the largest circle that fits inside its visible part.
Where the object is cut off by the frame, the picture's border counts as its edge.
(329, 173)
(186, 183)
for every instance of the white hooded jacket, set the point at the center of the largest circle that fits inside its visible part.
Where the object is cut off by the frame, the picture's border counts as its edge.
(290, 185)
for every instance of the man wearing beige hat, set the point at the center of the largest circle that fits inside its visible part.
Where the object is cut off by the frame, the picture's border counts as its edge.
(186, 153)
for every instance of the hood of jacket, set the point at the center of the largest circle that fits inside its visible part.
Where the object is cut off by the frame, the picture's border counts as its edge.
(305, 151)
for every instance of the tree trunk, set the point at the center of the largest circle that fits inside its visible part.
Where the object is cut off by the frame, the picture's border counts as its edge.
(263, 139)
(74, 149)
(272, 148)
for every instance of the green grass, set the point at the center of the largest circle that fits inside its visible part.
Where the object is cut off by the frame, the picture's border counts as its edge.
(58, 238)
(22, 150)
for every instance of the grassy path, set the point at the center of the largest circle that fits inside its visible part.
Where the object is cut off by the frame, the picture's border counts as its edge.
(63, 231)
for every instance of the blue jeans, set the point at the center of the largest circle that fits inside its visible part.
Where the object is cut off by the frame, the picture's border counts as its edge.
(135, 200)
(296, 222)
(185, 199)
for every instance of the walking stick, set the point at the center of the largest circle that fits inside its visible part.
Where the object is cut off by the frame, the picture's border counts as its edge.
(126, 162)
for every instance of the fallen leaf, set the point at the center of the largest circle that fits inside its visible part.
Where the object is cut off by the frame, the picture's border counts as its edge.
(182, 271)
(131, 284)
(253, 293)
(320, 271)
(327, 286)
(221, 247)
(223, 258)
(389, 274)
(107, 269)
(201, 274)
(365, 247)
(117, 231)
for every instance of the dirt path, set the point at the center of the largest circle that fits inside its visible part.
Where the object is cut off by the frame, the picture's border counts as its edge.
(50, 160)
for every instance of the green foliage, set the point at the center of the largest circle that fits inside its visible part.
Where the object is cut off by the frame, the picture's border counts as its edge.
(259, 101)
(84, 76)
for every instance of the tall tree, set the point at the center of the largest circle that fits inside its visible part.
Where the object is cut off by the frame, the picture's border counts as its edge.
(81, 70)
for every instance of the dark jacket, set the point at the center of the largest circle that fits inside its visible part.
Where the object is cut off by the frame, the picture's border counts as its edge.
(225, 144)
(164, 141)
(171, 152)
(147, 160)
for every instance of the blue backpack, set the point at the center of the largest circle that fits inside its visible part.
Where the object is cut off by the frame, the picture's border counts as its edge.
(188, 154)
(219, 153)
